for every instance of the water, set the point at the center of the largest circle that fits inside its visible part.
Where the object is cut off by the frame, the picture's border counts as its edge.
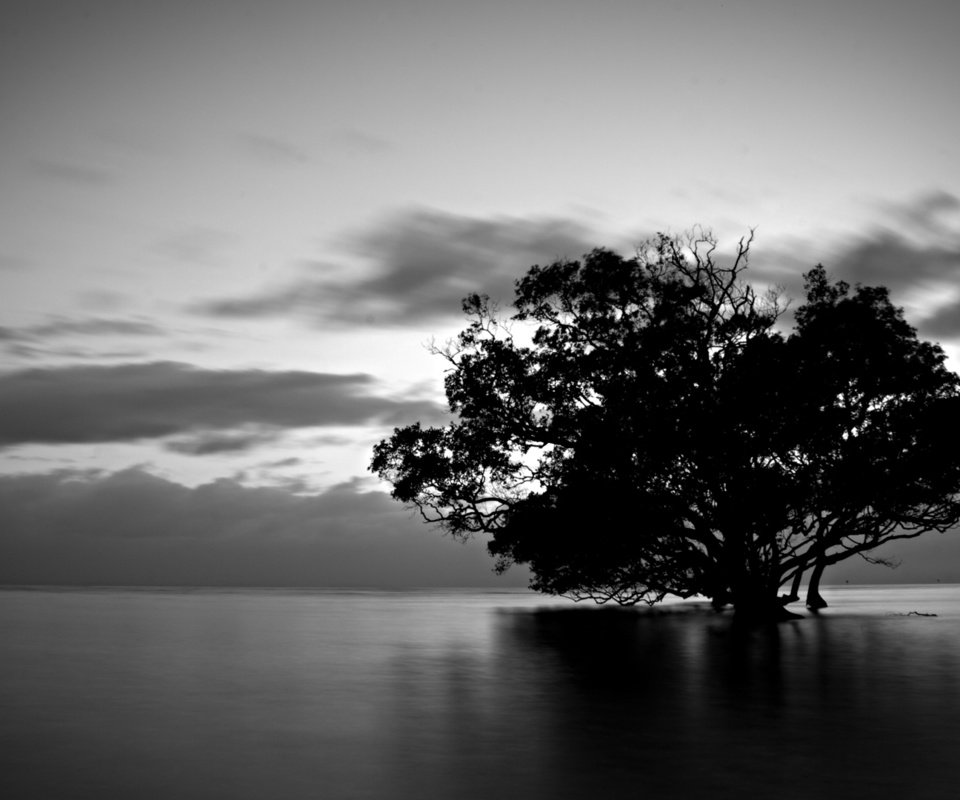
(318, 694)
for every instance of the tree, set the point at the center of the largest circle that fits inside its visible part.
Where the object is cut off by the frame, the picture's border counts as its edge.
(640, 427)
(879, 408)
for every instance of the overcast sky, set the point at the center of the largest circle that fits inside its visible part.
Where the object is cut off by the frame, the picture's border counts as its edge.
(228, 229)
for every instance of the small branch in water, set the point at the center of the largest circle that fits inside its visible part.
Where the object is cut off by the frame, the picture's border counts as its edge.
(914, 614)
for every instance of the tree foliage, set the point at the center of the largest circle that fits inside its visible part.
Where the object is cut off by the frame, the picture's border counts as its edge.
(641, 427)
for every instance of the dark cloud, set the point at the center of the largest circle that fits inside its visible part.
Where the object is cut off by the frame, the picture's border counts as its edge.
(944, 324)
(292, 461)
(134, 528)
(934, 212)
(917, 248)
(423, 264)
(888, 259)
(883, 258)
(901, 265)
(159, 399)
(131, 527)
(218, 442)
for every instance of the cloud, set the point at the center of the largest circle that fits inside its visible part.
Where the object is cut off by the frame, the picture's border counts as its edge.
(24, 350)
(888, 259)
(933, 212)
(944, 324)
(15, 263)
(72, 174)
(93, 326)
(159, 399)
(273, 151)
(292, 461)
(354, 142)
(914, 252)
(131, 527)
(197, 245)
(422, 264)
(331, 440)
(218, 442)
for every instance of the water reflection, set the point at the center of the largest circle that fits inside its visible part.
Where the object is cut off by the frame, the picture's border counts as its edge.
(453, 695)
(575, 703)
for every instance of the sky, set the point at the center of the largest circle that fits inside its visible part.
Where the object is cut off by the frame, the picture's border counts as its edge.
(229, 231)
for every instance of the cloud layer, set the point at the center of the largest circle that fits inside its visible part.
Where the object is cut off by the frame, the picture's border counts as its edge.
(58, 337)
(91, 326)
(159, 399)
(422, 265)
(131, 527)
(915, 250)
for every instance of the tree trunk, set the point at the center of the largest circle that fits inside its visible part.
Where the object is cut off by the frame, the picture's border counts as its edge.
(756, 603)
(814, 600)
(794, 595)
(753, 614)
(754, 591)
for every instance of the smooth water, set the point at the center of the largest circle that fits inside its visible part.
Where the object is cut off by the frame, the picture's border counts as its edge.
(322, 694)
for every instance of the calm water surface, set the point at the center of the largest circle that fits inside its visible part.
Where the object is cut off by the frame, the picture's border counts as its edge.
(319, 694)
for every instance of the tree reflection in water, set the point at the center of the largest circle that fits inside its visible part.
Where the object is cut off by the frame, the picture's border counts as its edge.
(587, 702)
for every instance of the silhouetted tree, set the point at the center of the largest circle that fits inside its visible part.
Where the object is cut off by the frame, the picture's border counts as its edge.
(638, 427)
(876, 416)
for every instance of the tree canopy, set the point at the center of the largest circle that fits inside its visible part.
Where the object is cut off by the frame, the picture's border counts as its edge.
(645, 426)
